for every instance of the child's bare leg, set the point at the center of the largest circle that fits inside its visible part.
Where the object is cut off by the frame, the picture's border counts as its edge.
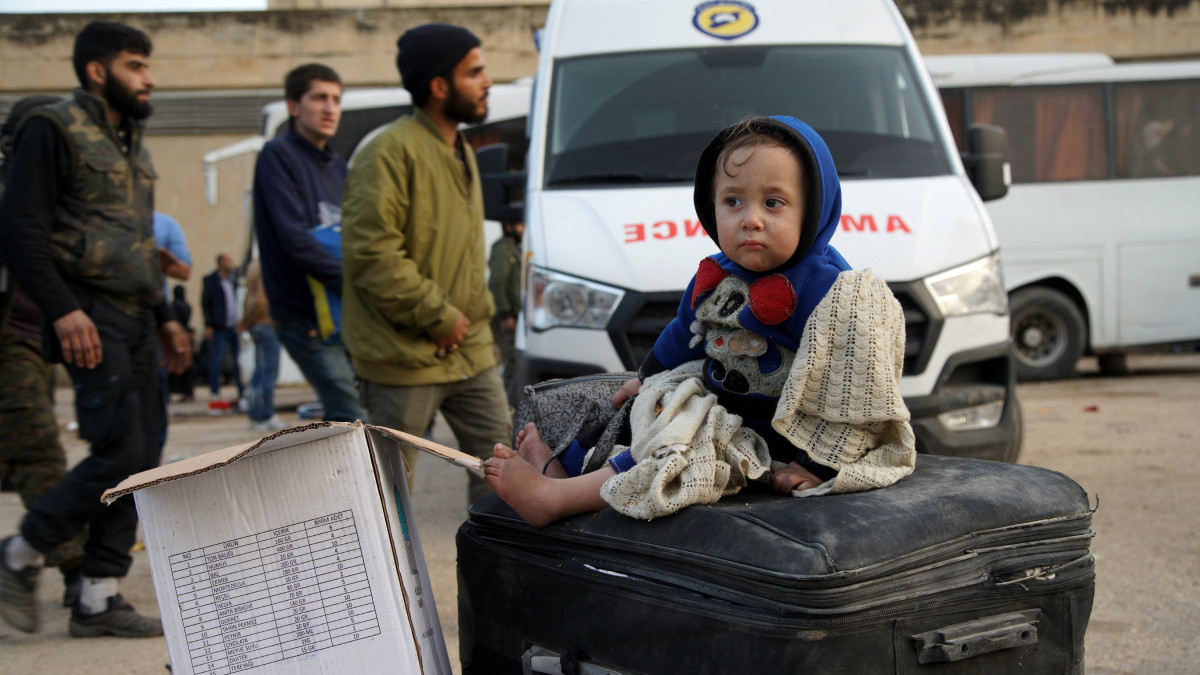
(539, 499)
(534, 450)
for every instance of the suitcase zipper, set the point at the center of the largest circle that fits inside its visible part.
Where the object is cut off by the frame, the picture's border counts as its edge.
(554, 384)
(985, 545)
(609, 580)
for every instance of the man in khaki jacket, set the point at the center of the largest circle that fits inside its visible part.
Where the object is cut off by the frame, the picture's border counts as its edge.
(416, 304)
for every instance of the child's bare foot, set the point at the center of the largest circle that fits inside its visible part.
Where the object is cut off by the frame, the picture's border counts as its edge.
(522, 486)
(534, 450)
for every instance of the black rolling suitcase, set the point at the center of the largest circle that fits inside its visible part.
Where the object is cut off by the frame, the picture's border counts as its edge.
(964, 566)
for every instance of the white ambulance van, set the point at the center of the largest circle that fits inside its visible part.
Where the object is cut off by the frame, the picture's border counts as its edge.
(627, 95)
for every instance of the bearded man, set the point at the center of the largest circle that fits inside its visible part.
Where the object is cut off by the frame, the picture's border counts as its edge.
(416, 306)
(77, 230)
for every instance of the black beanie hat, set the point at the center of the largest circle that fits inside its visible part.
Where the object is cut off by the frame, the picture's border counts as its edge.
(429, 51)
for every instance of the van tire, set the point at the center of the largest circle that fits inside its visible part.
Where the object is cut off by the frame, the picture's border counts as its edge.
(1048, 333)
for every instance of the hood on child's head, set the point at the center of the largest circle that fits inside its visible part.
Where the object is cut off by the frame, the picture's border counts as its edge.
(823, 209)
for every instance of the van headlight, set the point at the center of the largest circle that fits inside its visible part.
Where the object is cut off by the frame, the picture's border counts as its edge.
(983, 416)
(558, 300)
(974, 288)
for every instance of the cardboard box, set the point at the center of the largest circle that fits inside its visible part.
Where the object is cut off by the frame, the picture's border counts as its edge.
(293, 554)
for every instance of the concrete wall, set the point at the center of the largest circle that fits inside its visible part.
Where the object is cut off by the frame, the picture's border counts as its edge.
(1124, 29)
(229, 50)
(198, 55)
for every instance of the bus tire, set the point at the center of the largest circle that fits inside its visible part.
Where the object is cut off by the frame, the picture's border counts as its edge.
(1048, 333)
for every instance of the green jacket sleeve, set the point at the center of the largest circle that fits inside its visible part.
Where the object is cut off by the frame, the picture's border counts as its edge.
(375, 223)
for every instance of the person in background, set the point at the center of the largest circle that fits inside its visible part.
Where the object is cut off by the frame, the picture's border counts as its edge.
(176, 261)
(80, 242)
(416, 305)
(31, 457)
(173, 252)
(298, 183)
(504, 280)
(219, 301)
(256, 319)
(184, 383)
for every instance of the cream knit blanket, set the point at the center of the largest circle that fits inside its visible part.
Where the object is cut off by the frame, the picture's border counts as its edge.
(688, 451)
(841, 404)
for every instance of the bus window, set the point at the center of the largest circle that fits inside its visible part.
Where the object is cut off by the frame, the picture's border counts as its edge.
(1055, 133)
(510, 132)
(952, 101)
(1156, 128)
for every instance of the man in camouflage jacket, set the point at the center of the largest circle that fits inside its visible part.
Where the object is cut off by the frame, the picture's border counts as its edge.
(76, 226)
(31, 458)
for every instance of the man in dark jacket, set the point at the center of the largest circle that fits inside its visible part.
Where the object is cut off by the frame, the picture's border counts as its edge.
(219, 301)
(298, 184)
(76, 226)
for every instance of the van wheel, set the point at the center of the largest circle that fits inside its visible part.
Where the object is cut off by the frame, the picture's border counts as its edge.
(1114, 364)
(1047, 333)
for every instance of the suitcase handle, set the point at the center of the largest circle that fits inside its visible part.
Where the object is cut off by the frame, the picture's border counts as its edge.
(981, 636)
(541, 661)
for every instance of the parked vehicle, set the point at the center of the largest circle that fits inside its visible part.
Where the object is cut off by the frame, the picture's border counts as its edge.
(1100, 231)
(627, 95)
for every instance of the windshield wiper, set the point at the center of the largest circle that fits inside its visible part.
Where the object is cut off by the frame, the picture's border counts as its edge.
(618, 177)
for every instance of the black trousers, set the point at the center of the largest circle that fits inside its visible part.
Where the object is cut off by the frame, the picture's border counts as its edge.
(119, 412)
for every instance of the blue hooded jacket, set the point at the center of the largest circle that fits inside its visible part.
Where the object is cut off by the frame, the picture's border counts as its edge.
(747, 325)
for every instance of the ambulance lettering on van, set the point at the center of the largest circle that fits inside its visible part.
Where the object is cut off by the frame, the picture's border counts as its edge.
(620, 113)
(669, 229)
(663, 229)
(866, 223)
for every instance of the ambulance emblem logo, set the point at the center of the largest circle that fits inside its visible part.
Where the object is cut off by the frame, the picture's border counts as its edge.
(725, 20)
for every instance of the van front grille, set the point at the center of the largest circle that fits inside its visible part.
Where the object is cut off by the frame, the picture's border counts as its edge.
(922, 323)
(641, 317)
(638, 322)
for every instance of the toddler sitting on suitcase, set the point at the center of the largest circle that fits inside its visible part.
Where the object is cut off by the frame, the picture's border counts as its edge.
(778, 352)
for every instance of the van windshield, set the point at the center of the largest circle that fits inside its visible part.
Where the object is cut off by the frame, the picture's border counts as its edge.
(644, 117)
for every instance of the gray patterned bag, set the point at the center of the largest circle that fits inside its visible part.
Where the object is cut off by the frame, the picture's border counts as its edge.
(562, 409)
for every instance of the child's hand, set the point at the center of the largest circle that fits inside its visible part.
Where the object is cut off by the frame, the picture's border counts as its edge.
(626, 392)
(793, 477)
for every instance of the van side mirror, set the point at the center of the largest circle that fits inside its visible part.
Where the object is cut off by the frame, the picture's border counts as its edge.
(503, 190)
(986, 160)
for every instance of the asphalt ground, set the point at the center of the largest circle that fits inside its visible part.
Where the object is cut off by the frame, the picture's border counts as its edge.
(1131, 441)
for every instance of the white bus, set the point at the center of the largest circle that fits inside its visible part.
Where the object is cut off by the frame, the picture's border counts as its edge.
(1100, 231)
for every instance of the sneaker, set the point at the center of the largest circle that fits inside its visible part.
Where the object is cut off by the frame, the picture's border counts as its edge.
(219, 407)
(120, 619)
(18, 594)
(274, 423)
